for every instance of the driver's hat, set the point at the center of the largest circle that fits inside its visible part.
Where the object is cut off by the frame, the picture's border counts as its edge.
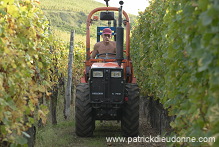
(107, 31)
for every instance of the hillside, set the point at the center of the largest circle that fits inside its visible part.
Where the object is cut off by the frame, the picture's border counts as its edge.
(70, 5)
(66, 15)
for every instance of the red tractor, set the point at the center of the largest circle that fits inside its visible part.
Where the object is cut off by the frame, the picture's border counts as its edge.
(108, 89)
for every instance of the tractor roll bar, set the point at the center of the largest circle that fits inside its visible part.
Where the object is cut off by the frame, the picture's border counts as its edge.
(88, 30)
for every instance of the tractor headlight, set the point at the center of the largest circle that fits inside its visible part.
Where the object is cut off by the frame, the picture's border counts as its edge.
(97, 74)
(116, 74)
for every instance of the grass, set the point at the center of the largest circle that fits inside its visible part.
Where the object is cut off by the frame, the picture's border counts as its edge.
(63, 134)
(55, 135)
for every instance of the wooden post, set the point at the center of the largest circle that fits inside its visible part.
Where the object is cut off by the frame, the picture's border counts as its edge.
(53, 104)
(69, 79)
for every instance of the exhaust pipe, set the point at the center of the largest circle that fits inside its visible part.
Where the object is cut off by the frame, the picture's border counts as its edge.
(119, 38)
(119, 44)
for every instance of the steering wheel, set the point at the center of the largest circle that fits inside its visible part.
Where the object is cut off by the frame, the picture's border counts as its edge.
(107, 56)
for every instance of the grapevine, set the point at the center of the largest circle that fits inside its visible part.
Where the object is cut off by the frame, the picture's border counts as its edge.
(179, 55)
(32, 60)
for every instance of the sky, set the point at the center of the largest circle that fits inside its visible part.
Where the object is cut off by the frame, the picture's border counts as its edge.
(130, 6)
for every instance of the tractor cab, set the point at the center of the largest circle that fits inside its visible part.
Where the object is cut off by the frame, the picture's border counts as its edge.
(109, 17)
(108, 88)
(118, 31)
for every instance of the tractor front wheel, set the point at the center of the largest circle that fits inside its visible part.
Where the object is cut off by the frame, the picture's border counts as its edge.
(84, 120)
(130, 112)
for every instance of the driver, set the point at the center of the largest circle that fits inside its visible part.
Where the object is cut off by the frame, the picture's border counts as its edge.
(105, 46)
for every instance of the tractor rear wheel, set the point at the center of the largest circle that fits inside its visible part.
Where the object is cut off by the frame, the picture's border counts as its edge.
(130, 112)
(84, 120)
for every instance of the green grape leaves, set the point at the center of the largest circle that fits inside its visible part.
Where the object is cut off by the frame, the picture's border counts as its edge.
(176, 60)
(26, 67)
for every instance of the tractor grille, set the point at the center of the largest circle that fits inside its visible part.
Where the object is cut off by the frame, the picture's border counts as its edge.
(106, 85)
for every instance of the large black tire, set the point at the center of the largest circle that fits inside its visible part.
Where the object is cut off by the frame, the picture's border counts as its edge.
(84, 120)
(130, 112)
